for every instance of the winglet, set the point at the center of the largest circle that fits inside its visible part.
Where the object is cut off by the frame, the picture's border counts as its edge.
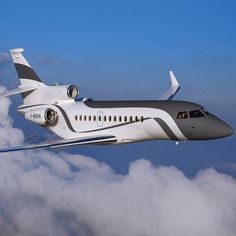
(175, 87)
(174, 82)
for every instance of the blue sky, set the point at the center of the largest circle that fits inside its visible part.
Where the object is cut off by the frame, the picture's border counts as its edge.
(123, 50)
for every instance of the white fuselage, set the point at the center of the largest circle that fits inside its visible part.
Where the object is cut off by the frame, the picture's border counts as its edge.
(127, 124)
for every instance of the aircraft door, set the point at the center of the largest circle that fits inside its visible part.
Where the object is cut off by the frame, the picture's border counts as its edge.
(100, 118)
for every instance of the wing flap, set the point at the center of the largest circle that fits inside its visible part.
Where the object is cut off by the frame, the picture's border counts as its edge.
(105, 139)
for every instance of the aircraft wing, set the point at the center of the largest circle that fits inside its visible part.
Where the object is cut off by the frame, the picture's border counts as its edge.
(20, 89)
(102, 139)
(175, 87)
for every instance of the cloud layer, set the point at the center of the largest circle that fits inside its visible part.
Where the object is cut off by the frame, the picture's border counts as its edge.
(43, 193)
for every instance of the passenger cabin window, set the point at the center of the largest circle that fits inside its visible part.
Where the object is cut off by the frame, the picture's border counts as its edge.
(196, 114)
(182, 115)
(76, 117)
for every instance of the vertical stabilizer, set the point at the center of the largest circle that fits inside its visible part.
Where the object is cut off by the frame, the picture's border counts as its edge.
(26, 74)
(28, 78)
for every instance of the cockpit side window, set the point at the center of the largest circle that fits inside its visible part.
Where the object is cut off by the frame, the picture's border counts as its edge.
(182, 115)
(205, 111)
(196, 114)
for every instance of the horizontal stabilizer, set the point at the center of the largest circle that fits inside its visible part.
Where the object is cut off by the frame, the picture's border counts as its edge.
(102, 139)
(19, 90)
(175, 87)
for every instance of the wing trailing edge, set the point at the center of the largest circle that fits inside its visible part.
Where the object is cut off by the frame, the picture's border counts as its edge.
(102, 139)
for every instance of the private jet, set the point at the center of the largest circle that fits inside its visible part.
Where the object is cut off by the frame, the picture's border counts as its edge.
(78, 121)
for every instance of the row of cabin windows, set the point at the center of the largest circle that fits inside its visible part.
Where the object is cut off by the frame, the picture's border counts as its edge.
(109, 118)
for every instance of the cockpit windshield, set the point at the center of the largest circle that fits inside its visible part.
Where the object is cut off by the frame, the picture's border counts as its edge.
(195, 114)
(192, 114)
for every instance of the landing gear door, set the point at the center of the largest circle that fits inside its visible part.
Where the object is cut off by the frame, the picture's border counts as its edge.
(100, 118)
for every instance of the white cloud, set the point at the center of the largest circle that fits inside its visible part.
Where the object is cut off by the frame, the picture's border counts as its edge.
(4, 58)
(43, 193)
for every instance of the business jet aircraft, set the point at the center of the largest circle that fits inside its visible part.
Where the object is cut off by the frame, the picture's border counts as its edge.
(84, 121)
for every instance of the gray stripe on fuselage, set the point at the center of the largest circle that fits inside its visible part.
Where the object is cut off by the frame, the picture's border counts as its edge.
(158, 104)
(172, 107)
(166, 129)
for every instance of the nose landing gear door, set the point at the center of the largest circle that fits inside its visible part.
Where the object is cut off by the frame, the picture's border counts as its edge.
(100, 118)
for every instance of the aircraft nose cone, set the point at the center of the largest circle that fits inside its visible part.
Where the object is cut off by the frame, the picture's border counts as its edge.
(210, 127)
(226, 130)
(222, 129)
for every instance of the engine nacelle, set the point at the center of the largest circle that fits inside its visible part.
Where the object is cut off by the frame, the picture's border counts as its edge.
(42, 116)
(61, 92)
(72, 91)
(51, 94)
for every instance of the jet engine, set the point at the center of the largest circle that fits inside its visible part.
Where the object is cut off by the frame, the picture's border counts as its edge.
(42, 116)
(72, 91)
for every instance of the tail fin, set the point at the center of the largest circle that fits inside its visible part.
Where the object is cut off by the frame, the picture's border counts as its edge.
(26, 74)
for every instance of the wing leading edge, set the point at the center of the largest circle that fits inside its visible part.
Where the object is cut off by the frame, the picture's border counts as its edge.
(105, 139)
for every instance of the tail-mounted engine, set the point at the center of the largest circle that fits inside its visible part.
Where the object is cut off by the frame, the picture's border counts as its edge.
(41, 116)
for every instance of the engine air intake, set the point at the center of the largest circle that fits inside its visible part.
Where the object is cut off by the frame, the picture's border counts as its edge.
(72, 91)
(50, 115)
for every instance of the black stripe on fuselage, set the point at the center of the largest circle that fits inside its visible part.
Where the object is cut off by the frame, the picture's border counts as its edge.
(66, 119)
(26, 72)
(166, 129)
